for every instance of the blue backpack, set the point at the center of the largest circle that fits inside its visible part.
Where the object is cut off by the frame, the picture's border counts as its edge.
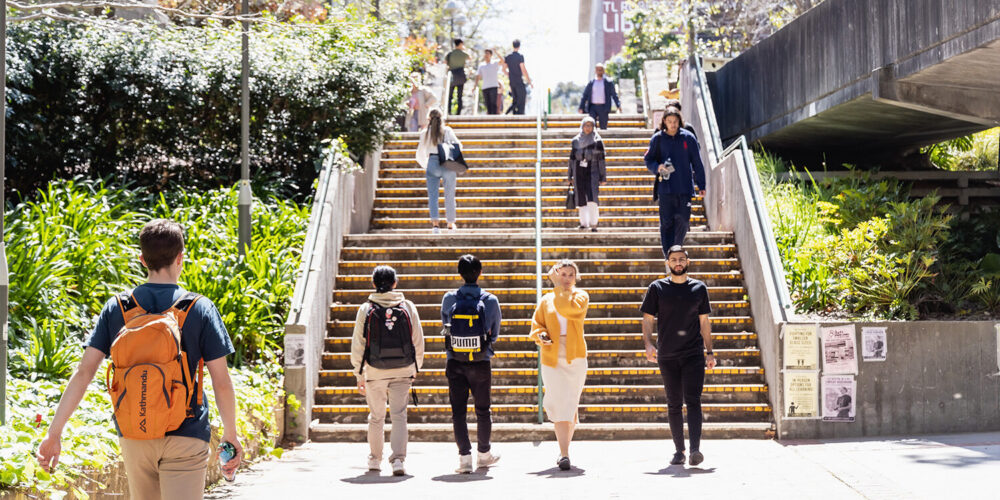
(467, 338)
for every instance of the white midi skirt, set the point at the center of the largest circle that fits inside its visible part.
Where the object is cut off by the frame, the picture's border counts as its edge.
(563, 387)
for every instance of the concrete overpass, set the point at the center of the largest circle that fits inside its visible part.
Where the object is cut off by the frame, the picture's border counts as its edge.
(866, 80)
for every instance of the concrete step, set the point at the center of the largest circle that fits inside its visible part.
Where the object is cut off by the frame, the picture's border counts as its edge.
(519, 166)
(515, 212)
(728, 412)
(554, 189)
(595, 376)
(513, 149)
(593, 394)
(465, 181)
(526, 142)
(514, 167)
(558, 135)
(548, 124)
(580, 254)
(600, 334)
(606, 223)
(636, 280)
(429, 307)
(606, 200)
(587, 266)
(529, 359)
(575, 117)
(511, 432)
(612, 297)
(554, 237)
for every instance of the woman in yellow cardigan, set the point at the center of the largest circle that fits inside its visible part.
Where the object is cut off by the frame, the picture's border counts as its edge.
(557, 327)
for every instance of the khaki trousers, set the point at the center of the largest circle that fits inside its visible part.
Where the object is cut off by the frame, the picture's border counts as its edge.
(395, 391)
(169, 468)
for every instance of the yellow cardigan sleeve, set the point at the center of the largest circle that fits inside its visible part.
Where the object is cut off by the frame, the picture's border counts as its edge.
(538, 323)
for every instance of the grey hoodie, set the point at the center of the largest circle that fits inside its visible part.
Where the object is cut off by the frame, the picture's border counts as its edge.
(387, 299)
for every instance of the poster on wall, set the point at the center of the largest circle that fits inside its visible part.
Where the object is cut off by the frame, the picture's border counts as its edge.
(839, 395)
(873, 343)
(840, 352)
(801, 394)
(295, 350)
(801, 346)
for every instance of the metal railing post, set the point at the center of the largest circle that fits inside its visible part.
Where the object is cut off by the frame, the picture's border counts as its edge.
(538, 243)
(4, 277)
(245, 194)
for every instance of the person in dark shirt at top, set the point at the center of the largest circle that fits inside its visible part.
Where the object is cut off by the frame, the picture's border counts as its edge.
(679, 306)
(674, 157)
(518, 73)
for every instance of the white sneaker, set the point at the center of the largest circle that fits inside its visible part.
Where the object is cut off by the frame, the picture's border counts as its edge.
(487, 459)
(464, 464)
(436, 230)
(397, 468)
(374, 463)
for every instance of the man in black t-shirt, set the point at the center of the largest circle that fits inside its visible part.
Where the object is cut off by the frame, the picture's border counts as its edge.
(517, 72)
(680, 307)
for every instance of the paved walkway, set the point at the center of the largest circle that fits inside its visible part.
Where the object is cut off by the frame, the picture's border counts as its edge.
(953, 466)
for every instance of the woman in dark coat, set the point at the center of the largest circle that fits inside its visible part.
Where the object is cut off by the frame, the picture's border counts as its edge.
(587, 171)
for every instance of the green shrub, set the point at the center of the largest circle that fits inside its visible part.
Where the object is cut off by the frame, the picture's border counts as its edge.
(251, 292)
(89, 442)
(976, 152)
(161, 106)
(854, 245)
(76, 246)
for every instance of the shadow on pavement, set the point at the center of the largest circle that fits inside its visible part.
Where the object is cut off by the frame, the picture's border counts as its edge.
(375, 477)
(681, 471)
(463, 478)
(556, 473)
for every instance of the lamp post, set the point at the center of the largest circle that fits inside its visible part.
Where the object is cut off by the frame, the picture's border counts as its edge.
(245, 199)
(4, 277)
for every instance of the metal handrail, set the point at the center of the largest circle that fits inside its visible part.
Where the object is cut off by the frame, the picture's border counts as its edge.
(708, 109)
(538, 241)
(759, 207)
(312, 233)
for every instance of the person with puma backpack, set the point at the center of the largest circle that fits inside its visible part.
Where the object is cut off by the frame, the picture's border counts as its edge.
(471, 320)
(159, 338)
(387, 351)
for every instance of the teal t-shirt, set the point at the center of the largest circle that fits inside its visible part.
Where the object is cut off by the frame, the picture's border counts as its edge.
(203, 336)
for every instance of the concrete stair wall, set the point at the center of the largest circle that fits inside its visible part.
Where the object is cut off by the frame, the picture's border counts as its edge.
(496, 215)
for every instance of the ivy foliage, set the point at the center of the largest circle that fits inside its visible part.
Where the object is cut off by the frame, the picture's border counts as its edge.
(162, 106)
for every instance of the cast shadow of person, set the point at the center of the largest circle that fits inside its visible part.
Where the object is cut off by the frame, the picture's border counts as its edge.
(556, 472)
(681, 471)
(478, 475)
(375, 477)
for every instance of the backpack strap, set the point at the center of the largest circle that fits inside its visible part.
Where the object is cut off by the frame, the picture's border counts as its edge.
(367, 334)
(129, 306)
(183, 306)
(180, 310)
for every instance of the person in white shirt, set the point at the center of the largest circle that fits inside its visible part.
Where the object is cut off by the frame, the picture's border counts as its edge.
(597, 97)
(489, 73)
(427, 156)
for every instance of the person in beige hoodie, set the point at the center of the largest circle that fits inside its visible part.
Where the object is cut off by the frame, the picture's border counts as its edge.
(392, 380)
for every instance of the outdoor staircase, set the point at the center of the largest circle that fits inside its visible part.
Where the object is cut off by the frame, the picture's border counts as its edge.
(624, 395)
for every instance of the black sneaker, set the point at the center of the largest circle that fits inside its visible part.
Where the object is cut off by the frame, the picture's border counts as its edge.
(678, 458)
(696, 458)
(563, 463)
(593, 229)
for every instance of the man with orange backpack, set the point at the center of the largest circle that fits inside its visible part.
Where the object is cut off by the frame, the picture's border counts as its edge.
(159, 338)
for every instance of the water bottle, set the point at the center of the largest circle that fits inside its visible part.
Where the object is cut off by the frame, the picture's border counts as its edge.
(226, 453)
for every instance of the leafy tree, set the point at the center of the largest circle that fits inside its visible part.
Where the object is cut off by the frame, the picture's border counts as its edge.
(721, 28)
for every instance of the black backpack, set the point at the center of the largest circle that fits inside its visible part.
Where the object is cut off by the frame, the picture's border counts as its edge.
(388, 338)
(467, 338)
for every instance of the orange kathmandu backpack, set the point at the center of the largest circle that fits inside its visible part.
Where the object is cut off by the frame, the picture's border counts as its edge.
(148, 378)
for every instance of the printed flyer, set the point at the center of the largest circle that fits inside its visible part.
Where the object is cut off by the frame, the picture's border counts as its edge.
(840, 353)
